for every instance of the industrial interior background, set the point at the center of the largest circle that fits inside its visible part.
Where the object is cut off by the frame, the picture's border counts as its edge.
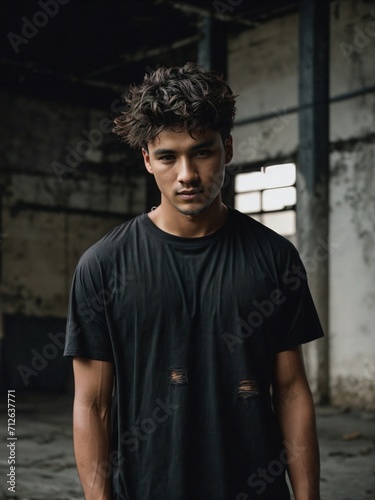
(304, 73)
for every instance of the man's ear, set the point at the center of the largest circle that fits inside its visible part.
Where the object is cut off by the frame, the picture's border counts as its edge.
(146, 159)
(228, 149)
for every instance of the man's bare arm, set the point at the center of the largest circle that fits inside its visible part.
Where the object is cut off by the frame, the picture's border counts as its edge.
(295, 408)
(91, 425)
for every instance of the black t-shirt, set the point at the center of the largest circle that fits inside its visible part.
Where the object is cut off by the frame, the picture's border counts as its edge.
(192, 326)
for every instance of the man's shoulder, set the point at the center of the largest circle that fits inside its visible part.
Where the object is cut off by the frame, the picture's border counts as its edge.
(117, 239)
(255, 230)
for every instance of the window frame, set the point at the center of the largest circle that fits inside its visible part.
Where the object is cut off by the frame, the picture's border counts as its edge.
(258, 167)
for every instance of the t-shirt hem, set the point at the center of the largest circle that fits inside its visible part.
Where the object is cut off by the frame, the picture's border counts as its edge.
(297, 343)
(69, 353)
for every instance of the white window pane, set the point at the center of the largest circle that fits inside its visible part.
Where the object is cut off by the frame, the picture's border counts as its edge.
(278, 199)
(250, 181)
(283, 223)
(247, 202)
(280, 175)
(269, 177)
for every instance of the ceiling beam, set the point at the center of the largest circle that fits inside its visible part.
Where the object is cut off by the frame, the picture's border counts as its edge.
(200, 11)
(31, 67)
(143, 54)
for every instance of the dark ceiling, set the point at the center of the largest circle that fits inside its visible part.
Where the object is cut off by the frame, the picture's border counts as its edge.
(90, 50)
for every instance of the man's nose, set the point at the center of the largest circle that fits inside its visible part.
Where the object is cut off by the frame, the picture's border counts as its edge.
(187, 171)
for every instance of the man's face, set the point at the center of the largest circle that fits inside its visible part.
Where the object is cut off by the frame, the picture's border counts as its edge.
(188, 171)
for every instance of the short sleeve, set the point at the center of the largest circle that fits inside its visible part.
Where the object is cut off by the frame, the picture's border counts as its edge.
(299, 319)
(87, 333)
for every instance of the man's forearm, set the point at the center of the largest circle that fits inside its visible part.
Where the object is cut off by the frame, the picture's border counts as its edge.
(91, 429)
(297, 420)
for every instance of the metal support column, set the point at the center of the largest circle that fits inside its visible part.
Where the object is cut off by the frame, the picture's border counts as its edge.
(313, 169)
(212, 49)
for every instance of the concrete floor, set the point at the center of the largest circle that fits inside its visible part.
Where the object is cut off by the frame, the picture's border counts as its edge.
(45, 467)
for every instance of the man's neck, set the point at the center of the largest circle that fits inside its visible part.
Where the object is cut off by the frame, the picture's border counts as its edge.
(190, 226)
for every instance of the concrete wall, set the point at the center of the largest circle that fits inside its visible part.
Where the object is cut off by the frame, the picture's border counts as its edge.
(52, 211)
(263, 71)
(352, 221)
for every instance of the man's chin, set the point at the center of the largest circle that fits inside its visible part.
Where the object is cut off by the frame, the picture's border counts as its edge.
(197, 211)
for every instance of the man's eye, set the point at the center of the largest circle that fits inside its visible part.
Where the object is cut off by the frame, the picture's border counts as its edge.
(203, 153)
(166, 158)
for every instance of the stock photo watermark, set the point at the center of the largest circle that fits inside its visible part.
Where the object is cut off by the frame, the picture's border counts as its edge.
(93, 139)
(87, 310)
(224, 7)
(11, 441)
(41, 359)
(137, 434)
(362, 37)
(251, 146)
(259, 480)
(31, 27)
(264, 309)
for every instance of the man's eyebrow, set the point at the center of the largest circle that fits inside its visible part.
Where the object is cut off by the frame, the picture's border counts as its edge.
(161, 151)
(201, 145)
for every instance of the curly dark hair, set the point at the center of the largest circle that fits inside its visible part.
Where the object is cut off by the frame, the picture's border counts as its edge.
(187, 98)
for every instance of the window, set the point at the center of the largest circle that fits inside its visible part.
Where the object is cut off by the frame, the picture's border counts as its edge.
(269, 196)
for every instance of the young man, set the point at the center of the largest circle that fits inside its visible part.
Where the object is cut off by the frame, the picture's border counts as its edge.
(185, 325)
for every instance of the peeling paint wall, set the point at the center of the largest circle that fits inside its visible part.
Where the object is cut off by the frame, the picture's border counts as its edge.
(51, 214)
(352, 276)
(263, 70)
(352, 207)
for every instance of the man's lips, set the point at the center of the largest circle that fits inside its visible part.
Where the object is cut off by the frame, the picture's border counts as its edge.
(188, 194)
